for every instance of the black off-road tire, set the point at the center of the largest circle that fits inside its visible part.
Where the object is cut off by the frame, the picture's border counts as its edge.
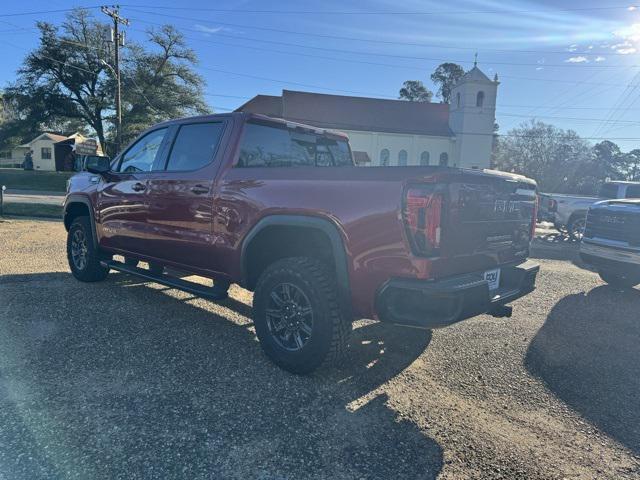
(620, 280)
(80, 241)
(328, 342)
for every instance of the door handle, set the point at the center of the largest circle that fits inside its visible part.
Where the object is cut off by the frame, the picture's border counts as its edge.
(199, 189)
(138, 187)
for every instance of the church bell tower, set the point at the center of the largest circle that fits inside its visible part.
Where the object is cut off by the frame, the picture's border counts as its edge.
(472, 115)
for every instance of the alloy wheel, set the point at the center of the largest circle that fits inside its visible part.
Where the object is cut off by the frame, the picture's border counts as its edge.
(79, 250)
(289, 316)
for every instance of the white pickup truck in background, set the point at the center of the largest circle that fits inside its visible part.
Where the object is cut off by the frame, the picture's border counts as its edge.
(568, 212)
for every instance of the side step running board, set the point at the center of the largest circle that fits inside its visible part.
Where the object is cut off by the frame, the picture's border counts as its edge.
(210, 293)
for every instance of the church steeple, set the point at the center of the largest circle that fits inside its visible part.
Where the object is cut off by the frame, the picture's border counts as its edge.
(472, 117)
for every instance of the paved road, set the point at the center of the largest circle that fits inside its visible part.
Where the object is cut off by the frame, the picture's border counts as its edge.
(127, 379)
(38, 198)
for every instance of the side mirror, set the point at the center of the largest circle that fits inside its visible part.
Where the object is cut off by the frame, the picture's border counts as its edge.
(98, 165)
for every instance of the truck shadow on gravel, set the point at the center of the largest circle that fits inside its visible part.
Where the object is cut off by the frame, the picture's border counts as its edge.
(588, 353)
(123, 380)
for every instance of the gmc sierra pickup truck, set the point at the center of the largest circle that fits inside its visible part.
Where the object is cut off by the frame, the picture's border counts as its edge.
(611, 241)
(280, 209)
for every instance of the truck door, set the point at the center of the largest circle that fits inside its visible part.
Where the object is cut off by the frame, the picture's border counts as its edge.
(121, 199)
(180, 196)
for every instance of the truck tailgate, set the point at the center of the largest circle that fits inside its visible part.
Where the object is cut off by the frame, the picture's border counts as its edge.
(489, 221)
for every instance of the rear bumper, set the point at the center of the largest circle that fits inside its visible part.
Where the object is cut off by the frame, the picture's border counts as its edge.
(609, 253)
(429, 304)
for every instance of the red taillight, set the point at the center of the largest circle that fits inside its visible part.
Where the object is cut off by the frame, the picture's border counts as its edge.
(422, 216)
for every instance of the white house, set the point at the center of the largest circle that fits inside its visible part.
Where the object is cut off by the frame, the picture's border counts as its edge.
(397, 132)
(44, 150)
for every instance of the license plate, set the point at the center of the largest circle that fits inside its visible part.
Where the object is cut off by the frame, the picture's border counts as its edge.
(493, 278)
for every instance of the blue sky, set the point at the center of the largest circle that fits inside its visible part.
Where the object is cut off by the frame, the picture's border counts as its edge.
(574, 64)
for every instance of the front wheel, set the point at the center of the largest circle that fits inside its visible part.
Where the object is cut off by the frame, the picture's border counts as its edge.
(620, 280)
(297, 316)
(82, 255)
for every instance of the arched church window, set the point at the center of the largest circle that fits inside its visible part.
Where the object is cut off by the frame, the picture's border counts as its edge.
(424, 159)
(444, 159)
(480, 99)
(402, 158)
(458, 99)
(384, 157)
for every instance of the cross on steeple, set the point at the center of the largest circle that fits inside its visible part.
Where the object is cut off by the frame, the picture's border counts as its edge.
(475, 60)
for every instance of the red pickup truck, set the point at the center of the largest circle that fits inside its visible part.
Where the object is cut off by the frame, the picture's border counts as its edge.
(280, 209)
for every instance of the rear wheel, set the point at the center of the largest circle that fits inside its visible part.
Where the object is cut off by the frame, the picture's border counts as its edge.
(621, 280)
(297, 316)
(82, 255)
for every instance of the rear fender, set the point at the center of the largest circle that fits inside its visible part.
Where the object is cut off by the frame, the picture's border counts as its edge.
(321, 224)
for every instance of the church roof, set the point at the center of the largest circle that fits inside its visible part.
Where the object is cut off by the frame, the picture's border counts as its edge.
(340, 112)
(475, 75)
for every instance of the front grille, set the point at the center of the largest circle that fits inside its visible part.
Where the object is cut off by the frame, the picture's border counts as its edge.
(619, 226)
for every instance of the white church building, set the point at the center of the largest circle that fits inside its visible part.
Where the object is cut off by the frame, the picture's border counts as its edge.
(397, 132)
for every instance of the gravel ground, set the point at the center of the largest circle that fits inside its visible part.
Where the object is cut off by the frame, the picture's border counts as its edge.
(125, 379)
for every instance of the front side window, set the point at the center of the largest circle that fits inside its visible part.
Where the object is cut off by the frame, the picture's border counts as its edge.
(194, 146)
(45, 153)
(402, 158)
(142, 154)
(267, 146)
(444, 159)
(424, 159)
(384, 157)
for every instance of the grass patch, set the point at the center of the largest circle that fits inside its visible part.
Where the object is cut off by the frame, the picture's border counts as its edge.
(34, 180)
(32, 210)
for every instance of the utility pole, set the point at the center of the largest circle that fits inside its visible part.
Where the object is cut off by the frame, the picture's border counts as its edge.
(118, 41)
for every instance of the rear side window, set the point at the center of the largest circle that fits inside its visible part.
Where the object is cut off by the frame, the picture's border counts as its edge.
(194, 146)
(264, 146)
(608, 190)
(633, 191)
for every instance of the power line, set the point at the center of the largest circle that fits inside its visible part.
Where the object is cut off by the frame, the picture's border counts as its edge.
(369, 40)
(42, 12)
(631, 122)
(623, 99)
(306, 85)
(375, 54)
(349, 91)
(517, 77)
(388, 12)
